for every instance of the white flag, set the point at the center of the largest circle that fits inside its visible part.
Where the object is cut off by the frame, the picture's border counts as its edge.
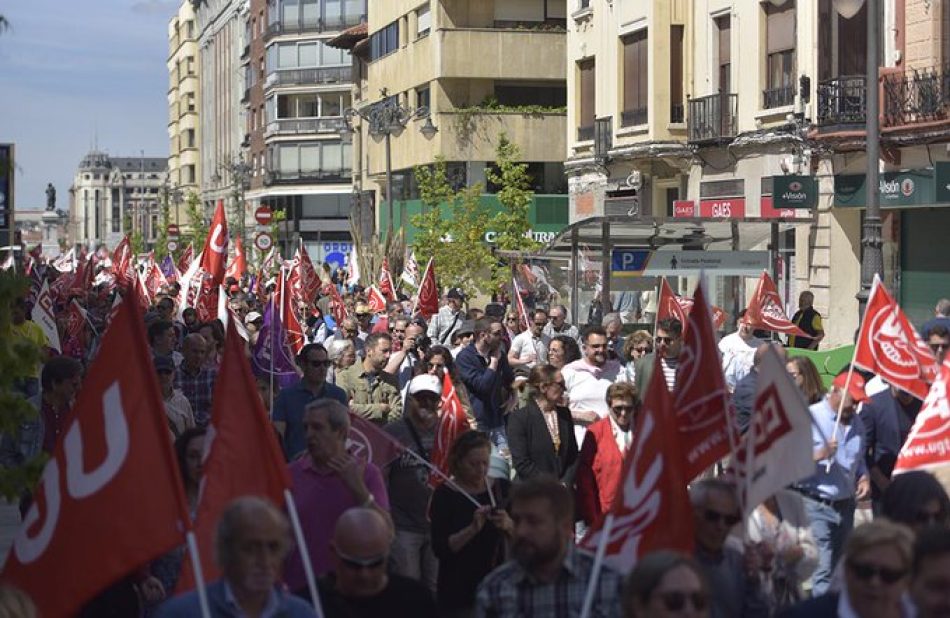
(354, 267)
(43, 316)
(410, 270)
(777, 449)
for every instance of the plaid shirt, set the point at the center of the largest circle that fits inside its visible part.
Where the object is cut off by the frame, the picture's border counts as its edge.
(197, 389)
(509, 591)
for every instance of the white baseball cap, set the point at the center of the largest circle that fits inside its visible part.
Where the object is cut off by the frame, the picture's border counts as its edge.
(425, 383)
(252, 316)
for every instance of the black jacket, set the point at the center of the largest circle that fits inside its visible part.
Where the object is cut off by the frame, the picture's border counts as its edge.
(532, 450)
(825, 606)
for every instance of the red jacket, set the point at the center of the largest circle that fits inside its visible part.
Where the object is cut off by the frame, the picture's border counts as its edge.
(598, 472)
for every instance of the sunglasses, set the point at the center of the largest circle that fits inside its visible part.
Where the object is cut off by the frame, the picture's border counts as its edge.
(663, 339)
(865, 572)
(936, 347)
(622, 409)
(362, 563)
(675, 601)
(318, 363)
(714, 517)
(642, 350)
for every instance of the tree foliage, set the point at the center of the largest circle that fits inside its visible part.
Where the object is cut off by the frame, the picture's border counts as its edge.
(194, 210)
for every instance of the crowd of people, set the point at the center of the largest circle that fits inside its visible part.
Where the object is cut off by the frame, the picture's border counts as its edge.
(552, 410)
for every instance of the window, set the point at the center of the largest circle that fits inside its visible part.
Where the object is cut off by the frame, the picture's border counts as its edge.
(585, 130)
(676, 74)
(724, 59)
(116, 211)
(423, 97)
(307, 55)
(423, 21)
(635, 83)
(333, 11)
(385, 41)
(531, 94)
(780, 58)
(310, 14)
(312, 160)
(290, 13)
(190, 138)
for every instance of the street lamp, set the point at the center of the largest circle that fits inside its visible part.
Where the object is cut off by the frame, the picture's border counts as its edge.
(241, 174)
(387, 118)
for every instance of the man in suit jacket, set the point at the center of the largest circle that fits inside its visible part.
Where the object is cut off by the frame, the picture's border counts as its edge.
(601, 457)
(668, 340)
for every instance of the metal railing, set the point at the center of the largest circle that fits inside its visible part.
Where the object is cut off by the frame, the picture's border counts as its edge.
(914, 96)
(339, 175)
(677, 113)
(313, 25)
(585, 134)
(603, 136)
(842, 100)
(293, 77)
(330, 124)
(633, 117)
(712, 118)
(778, 97)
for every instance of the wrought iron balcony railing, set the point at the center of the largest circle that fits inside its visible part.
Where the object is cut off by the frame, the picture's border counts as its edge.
(585, 134)
(778, 97)
(842, 100)
(712, 118)
(331, 124)
(915, 96)
(313, 77)
(633, 117)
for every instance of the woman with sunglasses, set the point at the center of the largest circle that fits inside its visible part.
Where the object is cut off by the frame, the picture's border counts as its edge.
(876, 567)
(636, 346)
(666, 584)
(541, 434)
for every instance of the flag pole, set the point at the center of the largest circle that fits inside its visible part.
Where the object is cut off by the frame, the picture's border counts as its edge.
(273, 349)
(847, 383)
(598, 562)
(444, 477)
(304, 556)
(199, 574)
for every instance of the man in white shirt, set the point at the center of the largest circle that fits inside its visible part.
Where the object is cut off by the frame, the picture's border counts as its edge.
(586, 381)
(531, 347)
(738, 352)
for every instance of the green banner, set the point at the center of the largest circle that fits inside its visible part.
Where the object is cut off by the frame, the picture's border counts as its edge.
(794, 192)
(829, 362)
(909, 188)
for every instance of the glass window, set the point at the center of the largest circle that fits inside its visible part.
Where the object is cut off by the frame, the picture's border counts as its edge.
(308, 106)
(270, 107)
(311, 13)
(285, 108)
(355, 9)
(310, 158)
(290, 13)
(332, 55)
(333, 13)
(331, 105)
(288, 56)
(423, 21)
(347, 157)
(332, 156)
(271, 58)
(289, 159)
(422, 96)
(308, 55)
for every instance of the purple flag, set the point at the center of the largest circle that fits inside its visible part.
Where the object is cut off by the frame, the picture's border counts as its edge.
(271, 354)
(168, 267)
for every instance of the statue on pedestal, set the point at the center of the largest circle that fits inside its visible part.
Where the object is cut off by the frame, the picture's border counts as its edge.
(50, 197)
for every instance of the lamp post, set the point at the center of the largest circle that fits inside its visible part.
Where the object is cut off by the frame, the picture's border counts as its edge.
(240, 173)
(387, 118)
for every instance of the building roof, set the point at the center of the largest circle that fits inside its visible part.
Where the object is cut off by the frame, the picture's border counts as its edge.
(97, 160)
(350, 37)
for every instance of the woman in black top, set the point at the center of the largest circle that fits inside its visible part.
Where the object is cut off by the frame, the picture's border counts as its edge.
(541, 434)
(469, 541)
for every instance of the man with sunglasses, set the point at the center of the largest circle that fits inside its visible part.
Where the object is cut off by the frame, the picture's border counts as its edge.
(938, 338)
(531, 347)
(735, 588)
(558, 324)
(587, 380)
(930, 574)
(289, 406)
(360, 585)
(448, 319)
(668, 341)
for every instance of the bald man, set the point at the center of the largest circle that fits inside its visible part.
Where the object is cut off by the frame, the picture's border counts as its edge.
(360, 585)
(743, 398)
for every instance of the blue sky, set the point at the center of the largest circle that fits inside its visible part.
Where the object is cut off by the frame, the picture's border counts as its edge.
(72, 69)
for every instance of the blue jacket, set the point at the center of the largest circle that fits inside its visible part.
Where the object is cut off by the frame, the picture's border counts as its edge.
(486, 387)
(887, 424)
(186, 605)
(289, 406)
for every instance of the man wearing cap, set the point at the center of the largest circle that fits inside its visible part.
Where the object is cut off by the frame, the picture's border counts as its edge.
(448, 319)
(462, 336)
(841, 477)
(407, 478)
(253, 322)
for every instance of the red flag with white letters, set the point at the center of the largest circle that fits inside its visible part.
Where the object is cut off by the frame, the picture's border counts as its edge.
(928, 445)
(889, 345)
(337, 306)
(452, 423)
(186, 257)
(239, 426)
(427, 303)
(238, 265)
(288, 314)
(701, 398)
(386, 286)
(652, 509)
(215, 253)
(375, 300)
(110, 498)
(669, 305)
(765, 310)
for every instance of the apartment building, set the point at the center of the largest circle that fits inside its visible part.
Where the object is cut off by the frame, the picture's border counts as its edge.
(296, 89)
(184, 161)
(461, 72)
(114, 196)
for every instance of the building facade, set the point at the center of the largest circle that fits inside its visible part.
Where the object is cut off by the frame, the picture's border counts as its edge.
(479, 69)
(184, 129)
(114, 196)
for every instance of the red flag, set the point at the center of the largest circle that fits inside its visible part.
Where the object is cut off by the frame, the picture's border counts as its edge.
(154, 277)
(889, 346)
(765, 310)
(239, 426)
(304, 277)
(116, 458)
(670, 305)
(428, 300)
(652, 509)
(122, 264)
(215, 253)
(452, 423)
(141, 294)
(370, 443)
(288, 315)
(184, 260)
(519, 303)
(928, 445)
(337, 306)
(386, 286)
(238, 265)
(375, 300)
(719, 316)
(82, 279)
(702, 401)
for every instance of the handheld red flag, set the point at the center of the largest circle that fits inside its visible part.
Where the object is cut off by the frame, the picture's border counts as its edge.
(370, 443)
(337, 306)
(519, 303)
(288, 314)
(238, 266)
(765, 310)
(122, 264)
(670, 305)
(702, 400)
(928, 445)
(115, 444)
(889, 345)
(186, 257)
(239, 426)
(386, 286)
(652, 509)
(305, 280)
(452, 423)
(215, 253)
(375, 300)
(427, 302)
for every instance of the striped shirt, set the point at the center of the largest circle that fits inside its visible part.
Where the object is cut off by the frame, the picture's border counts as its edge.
(669, 371)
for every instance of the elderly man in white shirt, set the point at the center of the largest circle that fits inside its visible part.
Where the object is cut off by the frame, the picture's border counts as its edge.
(531, 347)
(738, 352)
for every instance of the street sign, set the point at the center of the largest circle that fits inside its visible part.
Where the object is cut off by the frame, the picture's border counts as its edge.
(264, 215)
(263, 241)
(173, 231)
(629, 262)
(794, 192)
(942, 181)
(172, 245)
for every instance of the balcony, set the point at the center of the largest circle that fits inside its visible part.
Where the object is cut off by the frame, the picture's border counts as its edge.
(633, 117)
(312, 25)
(915, 97)
(502, 54)
(295, 126)
(309, 77)
(778, 97)
(842, 101)
(712, 119)
(305, 176)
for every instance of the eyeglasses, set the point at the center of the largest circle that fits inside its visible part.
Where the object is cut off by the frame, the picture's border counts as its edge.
(356, 564)
(642, 350)
(714, 517)
(675, 601)
(867, 571)
(663, 339)
(936, 347)
(622, 409)
(926, 518)
(316, 364)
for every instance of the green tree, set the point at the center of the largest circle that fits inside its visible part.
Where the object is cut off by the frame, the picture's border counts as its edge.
(512, 225)
(15, 353)
(161, 238)
(194, 211)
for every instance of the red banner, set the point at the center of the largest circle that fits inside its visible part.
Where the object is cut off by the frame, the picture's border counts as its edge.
(428, 300)
(928, 445)
(215, 253)
(238, 265)
(765, 310)
(770, 212)
(452, 423)
(722, 208)
(684, 209)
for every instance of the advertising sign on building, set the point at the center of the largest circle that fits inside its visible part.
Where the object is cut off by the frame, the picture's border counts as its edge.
(895, 189)
(790, 191)
(722, 208)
